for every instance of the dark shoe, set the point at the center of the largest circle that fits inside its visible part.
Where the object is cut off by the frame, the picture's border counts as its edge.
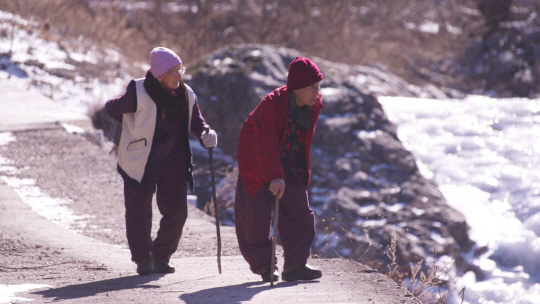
(163, 267)
(300, 273)
(265, 274)
(145, 267)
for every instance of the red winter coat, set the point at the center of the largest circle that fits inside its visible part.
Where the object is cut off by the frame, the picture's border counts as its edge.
(262, 136)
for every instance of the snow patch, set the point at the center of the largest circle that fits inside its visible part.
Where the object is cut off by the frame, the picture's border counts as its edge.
(73, 129)
(330, 91)
(429, 27)
(363, 134)
(7, 292)
(54, 209)
(6, 138)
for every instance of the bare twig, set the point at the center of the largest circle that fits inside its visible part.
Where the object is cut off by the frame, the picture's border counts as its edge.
(462, 293)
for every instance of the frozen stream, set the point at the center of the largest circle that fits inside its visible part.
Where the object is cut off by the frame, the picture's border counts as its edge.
(485, 156)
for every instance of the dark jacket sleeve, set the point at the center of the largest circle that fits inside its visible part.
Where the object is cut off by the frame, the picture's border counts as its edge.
(126, 103)
(198, 124)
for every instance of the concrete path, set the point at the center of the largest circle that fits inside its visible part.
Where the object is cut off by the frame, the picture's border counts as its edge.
(23, 105)
(197, 279)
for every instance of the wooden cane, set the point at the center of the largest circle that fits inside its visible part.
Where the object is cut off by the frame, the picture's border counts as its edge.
(216, 208)
(273, 258)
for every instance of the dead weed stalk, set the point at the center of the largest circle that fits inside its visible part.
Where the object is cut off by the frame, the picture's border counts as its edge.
(425, 287)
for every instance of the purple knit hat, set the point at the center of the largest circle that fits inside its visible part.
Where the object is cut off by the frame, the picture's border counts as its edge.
(303, 73)
(162, 59)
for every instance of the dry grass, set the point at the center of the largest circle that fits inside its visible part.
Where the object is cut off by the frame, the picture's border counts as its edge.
(365, 32)
(425, 287)
(353, 31)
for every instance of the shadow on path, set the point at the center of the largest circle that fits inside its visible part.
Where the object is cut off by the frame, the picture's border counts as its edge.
(235, 293)
(93, 288)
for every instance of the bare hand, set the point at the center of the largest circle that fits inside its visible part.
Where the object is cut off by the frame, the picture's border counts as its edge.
(277, 187)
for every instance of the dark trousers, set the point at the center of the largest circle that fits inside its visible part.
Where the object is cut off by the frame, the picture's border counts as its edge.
(296, 225)
(170, 180)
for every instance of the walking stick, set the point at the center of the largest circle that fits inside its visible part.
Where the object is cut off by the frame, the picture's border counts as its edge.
(216, 208)
(273, 260)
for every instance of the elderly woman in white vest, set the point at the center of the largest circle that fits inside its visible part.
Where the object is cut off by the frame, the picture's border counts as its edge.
(154, 156)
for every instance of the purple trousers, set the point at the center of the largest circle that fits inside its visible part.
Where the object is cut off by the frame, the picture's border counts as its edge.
(170, 181)
(296, 225)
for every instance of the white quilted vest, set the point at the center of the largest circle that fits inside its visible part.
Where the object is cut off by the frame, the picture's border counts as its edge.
(138, 132)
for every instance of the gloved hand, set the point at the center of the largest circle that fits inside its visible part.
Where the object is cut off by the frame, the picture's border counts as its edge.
(209, 139)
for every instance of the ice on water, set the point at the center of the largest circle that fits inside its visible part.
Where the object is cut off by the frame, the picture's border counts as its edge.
(484, 154)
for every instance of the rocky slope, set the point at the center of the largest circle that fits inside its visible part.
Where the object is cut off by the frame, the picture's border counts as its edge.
(501, 58)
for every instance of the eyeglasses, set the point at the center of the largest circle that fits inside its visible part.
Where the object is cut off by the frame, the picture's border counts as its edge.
(178, 72)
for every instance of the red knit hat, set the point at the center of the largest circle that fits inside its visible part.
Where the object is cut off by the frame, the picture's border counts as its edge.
(303, 73)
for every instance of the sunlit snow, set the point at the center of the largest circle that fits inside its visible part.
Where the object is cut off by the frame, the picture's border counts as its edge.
(7, 292)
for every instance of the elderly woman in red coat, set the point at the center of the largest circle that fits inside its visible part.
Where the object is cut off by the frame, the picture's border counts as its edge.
(274, 160)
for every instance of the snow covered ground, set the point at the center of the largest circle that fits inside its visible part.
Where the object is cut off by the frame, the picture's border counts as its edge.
(38, 67)
(485, 155)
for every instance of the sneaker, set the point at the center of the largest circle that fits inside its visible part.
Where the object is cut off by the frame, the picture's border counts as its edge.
(300, 273)
(145, 267)
(265, 274)
(163, 267)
